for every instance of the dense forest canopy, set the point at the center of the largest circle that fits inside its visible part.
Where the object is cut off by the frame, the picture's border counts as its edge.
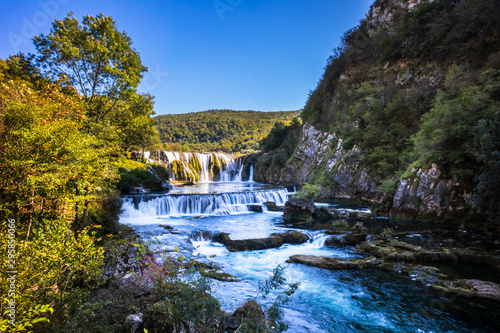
(219, 130)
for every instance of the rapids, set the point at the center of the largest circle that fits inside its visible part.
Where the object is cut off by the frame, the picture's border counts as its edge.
(326, 301)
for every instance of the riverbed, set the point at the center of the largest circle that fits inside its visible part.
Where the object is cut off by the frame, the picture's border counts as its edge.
(326, 301)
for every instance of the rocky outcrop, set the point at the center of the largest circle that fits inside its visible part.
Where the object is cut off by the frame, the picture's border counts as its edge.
(425, 193)
(304, 211)
(321, 158)
(323, 154)
(274, 241)
(298, 210)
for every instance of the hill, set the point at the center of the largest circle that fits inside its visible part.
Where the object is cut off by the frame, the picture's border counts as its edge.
(406, 115)
(219, 130)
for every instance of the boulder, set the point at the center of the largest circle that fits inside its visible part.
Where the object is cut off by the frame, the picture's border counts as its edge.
(274, 241)
(351, 239)
(166, 226)
(133, 323)
(293, 237)
(333, 263)
(252, 312)
(255, 208)
(272, 207)
(323, 214)
(298, 210)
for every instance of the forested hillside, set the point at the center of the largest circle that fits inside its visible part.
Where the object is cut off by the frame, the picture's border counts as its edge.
(410, 100)
(218, 130)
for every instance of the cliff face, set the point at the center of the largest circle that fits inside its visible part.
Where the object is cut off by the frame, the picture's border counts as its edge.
(320, 158)
(404, 115)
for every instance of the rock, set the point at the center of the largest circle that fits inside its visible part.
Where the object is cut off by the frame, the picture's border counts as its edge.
(211, 270)
(298, 210)
(165, 226)
(255, 208)
(363, 215)
(133, 323)
(333, 263)
(470, 288)
(272, 207)
(400, 251)
(346, 239)
(293, 237)
(252, 312)
(276, 240)
(323, 214)
(477, 257)
(120, 260)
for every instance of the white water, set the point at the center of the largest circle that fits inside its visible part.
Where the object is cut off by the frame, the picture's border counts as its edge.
(250, 178)
(178, 205)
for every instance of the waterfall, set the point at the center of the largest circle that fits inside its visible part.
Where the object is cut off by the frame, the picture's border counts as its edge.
(201, 167)
(250, 178)
(199, 204)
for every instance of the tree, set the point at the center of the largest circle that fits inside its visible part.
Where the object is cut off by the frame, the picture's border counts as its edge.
(49, 171)
(94, 57)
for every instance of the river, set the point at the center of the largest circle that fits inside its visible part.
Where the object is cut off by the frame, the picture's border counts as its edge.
(326, 301)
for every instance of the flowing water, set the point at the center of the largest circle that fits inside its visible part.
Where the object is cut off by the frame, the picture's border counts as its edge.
(326, 301)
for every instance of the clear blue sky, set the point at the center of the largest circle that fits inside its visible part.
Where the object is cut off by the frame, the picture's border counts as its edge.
(261, 55)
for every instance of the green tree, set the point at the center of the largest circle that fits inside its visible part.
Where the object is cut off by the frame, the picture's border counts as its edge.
(95, 57)
(49, 173)
(100, 62)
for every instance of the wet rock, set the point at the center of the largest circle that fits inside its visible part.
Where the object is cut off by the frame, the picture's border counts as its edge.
(133, 323)
(346, 239)
(272, 207)
(276, 240)
(333, 263)
(298, 210)
(294, 237)
(477, 257)
(470, 288)
(255, 208)
(323, 214)
(335, 232)
(166, 226)
(212, 271)
(400, 251)
(363, 215)
(252, 312)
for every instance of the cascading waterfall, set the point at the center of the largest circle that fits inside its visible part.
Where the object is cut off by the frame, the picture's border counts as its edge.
(208, 166)
(250, 178)
(200, 204)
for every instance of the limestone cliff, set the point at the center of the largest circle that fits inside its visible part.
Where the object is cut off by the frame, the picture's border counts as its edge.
(404, 115)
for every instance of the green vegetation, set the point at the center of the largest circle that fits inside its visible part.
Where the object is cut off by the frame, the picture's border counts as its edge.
(308, 192)
(63, 139)
(150, 177)
(218, 130)
(419, 88)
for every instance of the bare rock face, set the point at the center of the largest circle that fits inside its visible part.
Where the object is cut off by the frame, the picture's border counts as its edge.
(322, 151)
(425, 193)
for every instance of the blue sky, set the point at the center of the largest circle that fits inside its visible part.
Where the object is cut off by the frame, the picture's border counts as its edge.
(263, 55)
